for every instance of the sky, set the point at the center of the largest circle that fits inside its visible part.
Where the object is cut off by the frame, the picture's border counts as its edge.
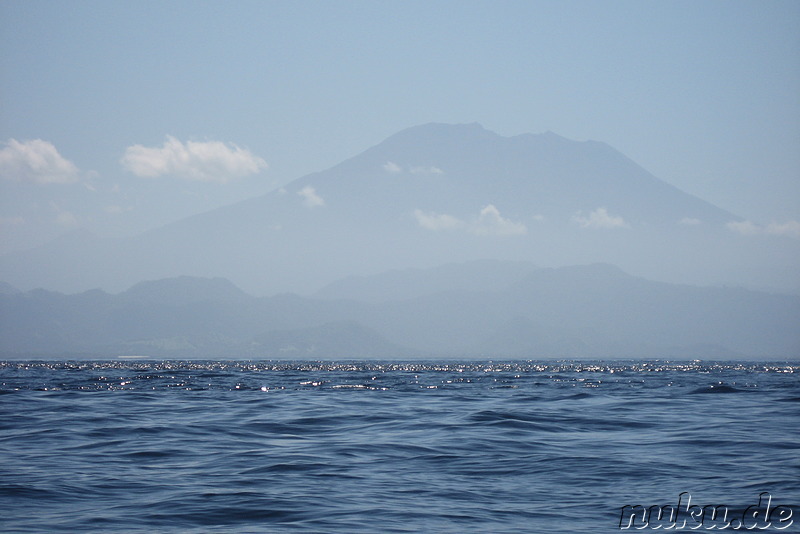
(120, 116)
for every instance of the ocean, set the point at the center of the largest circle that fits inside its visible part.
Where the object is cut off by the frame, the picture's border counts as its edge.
(384, 446)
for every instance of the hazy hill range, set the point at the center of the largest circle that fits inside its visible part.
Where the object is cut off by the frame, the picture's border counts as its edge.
(491, 309)
(426, 196)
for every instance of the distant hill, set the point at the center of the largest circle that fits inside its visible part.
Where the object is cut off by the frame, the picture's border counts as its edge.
(427, 196)
(184, 290)
(7, 289)
(492, 310)
(594, 311)
(478, 275)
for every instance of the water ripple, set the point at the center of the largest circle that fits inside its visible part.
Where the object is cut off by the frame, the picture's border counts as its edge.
(445, 446)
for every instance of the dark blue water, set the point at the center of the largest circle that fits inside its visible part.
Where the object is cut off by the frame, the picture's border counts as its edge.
(487, 447)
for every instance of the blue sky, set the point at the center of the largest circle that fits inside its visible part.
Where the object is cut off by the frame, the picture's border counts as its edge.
(138, 104)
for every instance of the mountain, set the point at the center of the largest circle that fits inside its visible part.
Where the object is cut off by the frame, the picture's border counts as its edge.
(185, 290)
(7, 289)
(594, 311)
(397, 284)
(583, 311)
(427, 196)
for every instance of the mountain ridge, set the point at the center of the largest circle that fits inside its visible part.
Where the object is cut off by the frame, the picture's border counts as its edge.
(589, 311)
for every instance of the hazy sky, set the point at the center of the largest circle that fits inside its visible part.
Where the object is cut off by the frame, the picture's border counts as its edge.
(119, 116)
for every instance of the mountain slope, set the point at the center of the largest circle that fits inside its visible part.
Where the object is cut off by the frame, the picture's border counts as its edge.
(478, 275)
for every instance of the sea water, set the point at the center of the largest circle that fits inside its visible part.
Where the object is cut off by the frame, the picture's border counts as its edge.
(380, 446)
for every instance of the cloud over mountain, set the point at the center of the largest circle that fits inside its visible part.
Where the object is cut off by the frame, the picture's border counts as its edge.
(392, 167)
(488, 222)
(786, 229)
(437, 221)
(310, 197)
(204, 161)
(36, 161)
(426, 170)
(600, 218)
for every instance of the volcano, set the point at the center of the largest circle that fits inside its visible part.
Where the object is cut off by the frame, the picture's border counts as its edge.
(426, 196)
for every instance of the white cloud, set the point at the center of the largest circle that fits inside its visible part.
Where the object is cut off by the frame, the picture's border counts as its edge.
(310, 197)
(208, 161)
(787, 229)
(36, 161)
(114, 209)
(426, 170)
(744, 227)
(490, 222)
(392, 167)
(689, 221)
(600, 218)
(437, 221)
